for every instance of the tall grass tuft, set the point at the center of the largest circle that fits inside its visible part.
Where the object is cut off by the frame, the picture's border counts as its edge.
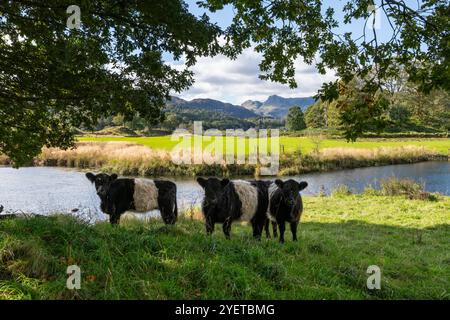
(399, 187)
(341, 191)
(405, 187)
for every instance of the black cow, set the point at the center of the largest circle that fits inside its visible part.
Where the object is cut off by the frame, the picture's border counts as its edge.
(285, 205)
(226, 201)
(141, 195)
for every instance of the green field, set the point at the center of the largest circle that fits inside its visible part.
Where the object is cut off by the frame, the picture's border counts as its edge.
(291, 144)
(339, 238)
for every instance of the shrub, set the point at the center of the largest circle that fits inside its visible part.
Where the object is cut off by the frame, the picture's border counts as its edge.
(370, 191)
(399, 187)
(341, 190)
(405, 187)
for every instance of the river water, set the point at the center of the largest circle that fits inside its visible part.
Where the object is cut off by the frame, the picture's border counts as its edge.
(44, 190)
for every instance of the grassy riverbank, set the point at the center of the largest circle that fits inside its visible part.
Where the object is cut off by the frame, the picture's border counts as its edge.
(126, 158)
(340, 236)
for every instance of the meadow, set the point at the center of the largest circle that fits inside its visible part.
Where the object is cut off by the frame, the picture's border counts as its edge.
(294, 144)
(340, 236)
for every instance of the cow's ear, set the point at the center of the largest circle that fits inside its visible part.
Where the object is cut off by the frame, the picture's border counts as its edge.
(113, 177)
(279, 183)
(90, 176)
(225, 182)
(302, 185)
(201, 181)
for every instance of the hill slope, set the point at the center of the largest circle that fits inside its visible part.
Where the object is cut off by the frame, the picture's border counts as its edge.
(212, 106)
(276, 106)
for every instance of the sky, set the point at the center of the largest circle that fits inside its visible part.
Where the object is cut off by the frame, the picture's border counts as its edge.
(235, 81)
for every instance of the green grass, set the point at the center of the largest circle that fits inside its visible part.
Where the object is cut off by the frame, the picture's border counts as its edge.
(291, 144)
(339, 238)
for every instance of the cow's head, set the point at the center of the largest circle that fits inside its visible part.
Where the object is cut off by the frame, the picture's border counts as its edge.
(102, 182)
(214, 189)
(290, 190)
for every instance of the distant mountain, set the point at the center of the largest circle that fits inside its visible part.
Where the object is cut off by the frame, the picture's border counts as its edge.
(213, 106)
(252, 105)
(276, 106)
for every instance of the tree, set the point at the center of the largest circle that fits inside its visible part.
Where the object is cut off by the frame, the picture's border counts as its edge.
(295, 120)
(399, 115)
(118, 120)
(171, 122)
(53, 78)
(315, 115)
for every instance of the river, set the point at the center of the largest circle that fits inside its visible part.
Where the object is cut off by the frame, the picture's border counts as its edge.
(44, 190)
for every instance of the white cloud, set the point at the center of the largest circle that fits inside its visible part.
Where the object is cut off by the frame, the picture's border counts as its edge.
(235, 81)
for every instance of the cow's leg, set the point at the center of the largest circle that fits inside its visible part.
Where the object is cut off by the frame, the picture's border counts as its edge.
(282, 226)
(114, 219)
(274, 228)
(266, 227)
(227, 227)
(115, 213)
(175, 211)
(294, 226)
(209, 224)
(169, 211)
(167, 201)
(258, 227)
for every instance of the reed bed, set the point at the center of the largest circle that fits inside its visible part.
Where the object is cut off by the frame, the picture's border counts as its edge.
(413, 153)
(98, 154)
(127, 158)
(4, 160)
(329, 159)
(130, 159)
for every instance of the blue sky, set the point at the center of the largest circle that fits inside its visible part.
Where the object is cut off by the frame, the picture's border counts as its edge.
(223, 18)
(237, 80)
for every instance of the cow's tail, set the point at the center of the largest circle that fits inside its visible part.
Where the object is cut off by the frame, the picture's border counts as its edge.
(175, 212)
(175, 207)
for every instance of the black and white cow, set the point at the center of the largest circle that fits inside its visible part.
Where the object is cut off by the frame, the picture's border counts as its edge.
(226, 201)
(140, 195)
(285, 205)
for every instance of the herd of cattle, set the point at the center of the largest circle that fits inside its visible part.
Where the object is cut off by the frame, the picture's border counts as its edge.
(260, 202)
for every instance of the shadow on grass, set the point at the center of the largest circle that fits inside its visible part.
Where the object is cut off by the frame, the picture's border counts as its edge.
(153, 261)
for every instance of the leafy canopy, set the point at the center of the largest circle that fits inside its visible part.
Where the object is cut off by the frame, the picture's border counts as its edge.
(418, 43)
(54, 79)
